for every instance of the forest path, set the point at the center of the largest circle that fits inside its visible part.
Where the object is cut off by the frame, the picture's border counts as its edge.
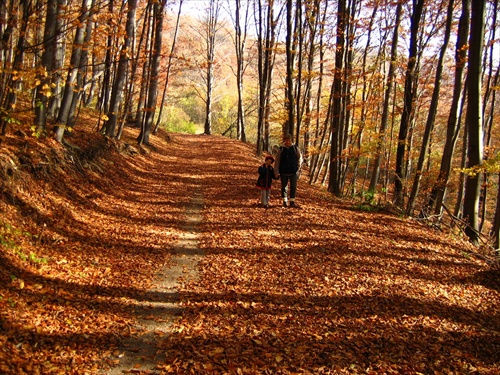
(155, 318)
(139, 353)
(162, 262)
(319, 289)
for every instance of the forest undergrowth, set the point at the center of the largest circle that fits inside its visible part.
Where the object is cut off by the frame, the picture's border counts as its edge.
(321, 289)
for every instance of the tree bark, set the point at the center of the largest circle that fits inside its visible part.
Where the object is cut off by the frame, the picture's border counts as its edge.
(43, 90)
(387, 97)
(159, 11)
(121, 72)
(495, 232)
(169, 66)
(438, 193)
(431, 116)
(408, 106)
(290, 61)
(336, 97)
(72, 75)
(211, 33)
(474, 121)
(240, 43)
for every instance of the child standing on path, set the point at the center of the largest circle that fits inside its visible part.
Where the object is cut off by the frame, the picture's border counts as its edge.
(265, 180)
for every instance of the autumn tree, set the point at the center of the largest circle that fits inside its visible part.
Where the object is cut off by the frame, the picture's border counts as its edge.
(266, 22)
(391, 76)
(409, 102)
(12, 53)
(240, 20)
(290, 45)
(155, 60)
(169, 66)
(44, 90)
(211, 29)
(431, 116)
(121, 71)
(72, 86)
(337, 99)
(474, 120)
(440, 188)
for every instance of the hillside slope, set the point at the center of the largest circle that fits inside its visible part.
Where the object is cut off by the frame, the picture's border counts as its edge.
(323, 289)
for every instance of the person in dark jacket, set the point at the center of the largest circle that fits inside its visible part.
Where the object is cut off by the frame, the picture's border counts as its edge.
(288, 162)
(265, 180)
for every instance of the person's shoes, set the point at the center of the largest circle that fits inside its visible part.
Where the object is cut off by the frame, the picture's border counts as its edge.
(284, 204)
(292, 204)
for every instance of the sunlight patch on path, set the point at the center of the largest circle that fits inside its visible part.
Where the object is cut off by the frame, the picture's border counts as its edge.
(157, 315)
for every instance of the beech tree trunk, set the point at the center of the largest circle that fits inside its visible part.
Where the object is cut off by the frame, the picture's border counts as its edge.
(431, 116)
(438, 193)
(72, 75)
(159, 11)
(266, 34)
(169, 66)
(474, 121)
(43, 90)
(239, 44)
(336, 97)
(408, 105)
(290, 61)
(211, 32)
(121, 72)
(387, 97)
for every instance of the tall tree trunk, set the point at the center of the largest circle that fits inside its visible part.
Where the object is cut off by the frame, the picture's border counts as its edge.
(43, 90)
(387, 97)
(312, 20)
(240, 43)
(266, 38)
(108, 62)
(159, 11)
(319, 133)
(336, 95)
(121, 72)
(72, 75)
(439, 189)
(79, 98)
(431, 116)
(144, 45)
(459, 204)
(54, 102)
(290, 62)
(365, 91)
(169, 66)
(408, 106)
(474, 121)
(11, 83)
(490, 92)
(211, 33)
(495, 231)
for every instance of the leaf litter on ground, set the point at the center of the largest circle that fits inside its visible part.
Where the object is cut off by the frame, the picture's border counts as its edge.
(323, 289)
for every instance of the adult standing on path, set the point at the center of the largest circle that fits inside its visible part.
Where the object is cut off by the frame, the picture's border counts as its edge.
(288, 162)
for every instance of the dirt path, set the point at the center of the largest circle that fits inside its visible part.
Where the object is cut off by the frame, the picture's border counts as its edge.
(317, 290)
(164, 263)
(140, 353)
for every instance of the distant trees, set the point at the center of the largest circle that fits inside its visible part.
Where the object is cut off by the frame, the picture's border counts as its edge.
(391, 101)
